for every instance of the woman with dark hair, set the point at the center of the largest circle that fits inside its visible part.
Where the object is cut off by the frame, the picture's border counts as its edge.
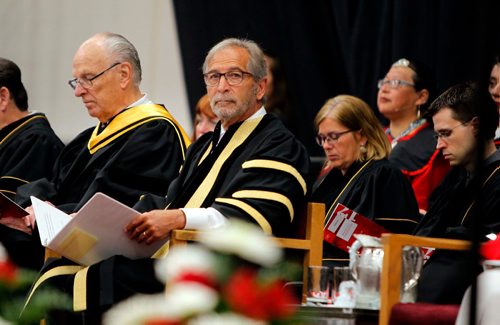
(402, 98)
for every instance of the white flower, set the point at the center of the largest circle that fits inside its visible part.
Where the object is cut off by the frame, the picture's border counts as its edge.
(137, 309)
(190, 298)
(224, 319)
(183, 259)
(244, 240)
(182, 300)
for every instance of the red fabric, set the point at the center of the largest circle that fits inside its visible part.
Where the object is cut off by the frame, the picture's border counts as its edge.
(426, 179)
(423, 313)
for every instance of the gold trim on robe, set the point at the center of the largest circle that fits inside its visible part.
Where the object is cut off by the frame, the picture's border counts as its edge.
(130, 120)
(271, 164)
(266, 195)
(21, 126)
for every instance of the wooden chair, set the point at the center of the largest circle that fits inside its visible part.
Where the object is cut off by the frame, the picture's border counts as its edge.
(311, 245)
(390, 281)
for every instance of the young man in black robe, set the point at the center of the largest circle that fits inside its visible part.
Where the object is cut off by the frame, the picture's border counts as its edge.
(465, 119)
(28, 149)
(136, 148)
(251, 167)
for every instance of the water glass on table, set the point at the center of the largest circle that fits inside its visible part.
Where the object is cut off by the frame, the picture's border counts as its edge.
(318, 284)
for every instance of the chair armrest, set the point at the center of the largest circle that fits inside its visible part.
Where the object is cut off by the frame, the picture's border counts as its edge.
(390, 280)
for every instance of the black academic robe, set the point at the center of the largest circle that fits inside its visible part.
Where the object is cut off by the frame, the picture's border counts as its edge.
(459, 204)
(379, 192)
(256, 173)
(28, 150)
(140, 151)
(136, 160)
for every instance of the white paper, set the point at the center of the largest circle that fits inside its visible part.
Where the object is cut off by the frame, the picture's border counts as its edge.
(95, 233)
(50, 220)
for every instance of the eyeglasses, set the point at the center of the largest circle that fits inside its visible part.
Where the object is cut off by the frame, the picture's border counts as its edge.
(330, 138)
(394, 83)
(233, 78)
(446, 133)
(87, 82)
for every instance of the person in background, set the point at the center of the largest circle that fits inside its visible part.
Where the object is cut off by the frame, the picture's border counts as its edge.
(204, 118)
(277, 99)
(28, 150)
(136, 147)
(467, 203)
(402, 98)
(361, 179)
(494, 89)
(251, 168)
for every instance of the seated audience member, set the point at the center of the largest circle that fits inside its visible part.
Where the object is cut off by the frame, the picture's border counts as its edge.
(361, 178)
(251, 167)
(494, 88)
(28, 145)
(204, 118)
(28, 149)
(465, 119)
(402, 98)
(137, 147)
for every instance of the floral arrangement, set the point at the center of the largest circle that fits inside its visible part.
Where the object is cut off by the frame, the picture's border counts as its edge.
(14, 285)
(233, 276)
(490, 250)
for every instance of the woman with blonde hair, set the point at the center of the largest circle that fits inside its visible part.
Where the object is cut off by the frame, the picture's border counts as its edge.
(359, 180)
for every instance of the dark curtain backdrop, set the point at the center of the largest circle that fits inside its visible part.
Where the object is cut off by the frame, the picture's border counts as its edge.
(343, 46)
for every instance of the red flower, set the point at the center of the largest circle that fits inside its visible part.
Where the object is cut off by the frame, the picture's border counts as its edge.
(8, 271)
(202, 278)
(491, 249)
(160, 321)
(268, 301)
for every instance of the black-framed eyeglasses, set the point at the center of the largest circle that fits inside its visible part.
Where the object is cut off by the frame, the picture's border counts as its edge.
(394, 83)
(233, 77)
(446, 133)
(330, 138)
(87, 82)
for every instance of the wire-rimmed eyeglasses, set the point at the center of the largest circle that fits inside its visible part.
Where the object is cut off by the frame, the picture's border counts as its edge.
(394, 83)
(330, 138)
(87, 82)
(446, 133)
(233, 77)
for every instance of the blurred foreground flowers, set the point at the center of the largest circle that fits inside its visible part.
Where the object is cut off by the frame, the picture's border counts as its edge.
(14, 285)
(233, 276)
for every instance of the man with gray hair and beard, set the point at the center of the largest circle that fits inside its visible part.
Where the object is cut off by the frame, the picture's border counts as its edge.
(251, 168)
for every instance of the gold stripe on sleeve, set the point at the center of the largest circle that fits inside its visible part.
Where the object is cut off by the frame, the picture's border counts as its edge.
(266, 195)
(80, 290)
(271, 164)
(263, 223)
